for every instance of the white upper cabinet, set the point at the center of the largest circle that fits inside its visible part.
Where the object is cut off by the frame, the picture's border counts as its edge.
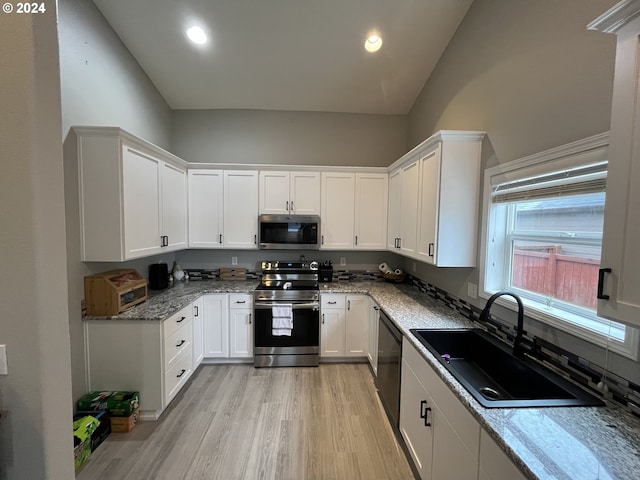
(403, 207)
(337, 212)
(354, 210)
(448, 208)
(371, 197)
(433, 200)
(240, 209)
(132, 196)
(619, 286)
(289, 193)
(206, 208)
(174, 206)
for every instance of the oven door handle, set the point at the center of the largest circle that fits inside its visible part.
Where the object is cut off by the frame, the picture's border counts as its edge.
(295, 306)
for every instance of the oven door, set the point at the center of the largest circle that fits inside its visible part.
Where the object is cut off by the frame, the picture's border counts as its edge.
(302, 347)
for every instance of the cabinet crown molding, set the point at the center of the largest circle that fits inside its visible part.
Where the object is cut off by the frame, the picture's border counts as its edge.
(616, 17)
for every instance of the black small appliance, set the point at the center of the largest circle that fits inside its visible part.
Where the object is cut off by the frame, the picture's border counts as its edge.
(325, 271)
(158, 276)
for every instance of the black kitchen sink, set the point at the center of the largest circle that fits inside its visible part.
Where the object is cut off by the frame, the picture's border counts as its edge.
(495, 377)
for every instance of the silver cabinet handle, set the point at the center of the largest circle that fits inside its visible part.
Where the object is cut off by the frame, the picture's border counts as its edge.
(292, 209)
(287, 205)
(348, 304)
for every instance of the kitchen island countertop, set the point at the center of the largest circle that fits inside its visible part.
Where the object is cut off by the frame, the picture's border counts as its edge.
(545, 443)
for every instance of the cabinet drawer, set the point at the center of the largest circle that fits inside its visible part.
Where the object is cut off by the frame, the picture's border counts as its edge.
(176, 343)
(175, 321)
(240, 300)
(332, 300)
(177, 375)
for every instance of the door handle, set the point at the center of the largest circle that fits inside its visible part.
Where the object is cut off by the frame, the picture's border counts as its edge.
(431, 245)
(196, 313)
(323, 318)
(424, 412)
(287, 205)
(250, 318)
(601, 295)
(292, 209)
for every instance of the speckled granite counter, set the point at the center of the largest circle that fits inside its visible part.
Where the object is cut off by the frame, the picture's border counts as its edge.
(164, 303)
(546, 443)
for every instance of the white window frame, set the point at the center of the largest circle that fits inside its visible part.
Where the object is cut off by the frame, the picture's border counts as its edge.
(492, 265)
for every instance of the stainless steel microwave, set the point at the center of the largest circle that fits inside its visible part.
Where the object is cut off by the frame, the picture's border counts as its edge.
(289, 232)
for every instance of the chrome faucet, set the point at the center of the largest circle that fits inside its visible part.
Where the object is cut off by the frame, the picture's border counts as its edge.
(520, 345)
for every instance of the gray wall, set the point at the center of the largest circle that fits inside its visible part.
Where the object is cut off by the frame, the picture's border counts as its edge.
(288, 138)
(35, 396)
(101, 84)
(531, 76)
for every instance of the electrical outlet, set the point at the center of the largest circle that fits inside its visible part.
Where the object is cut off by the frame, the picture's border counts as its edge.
(4, 369)
(343, 261)
(472, 290)
(234, 260)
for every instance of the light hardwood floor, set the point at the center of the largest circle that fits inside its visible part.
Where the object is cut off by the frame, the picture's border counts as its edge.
(239, 422)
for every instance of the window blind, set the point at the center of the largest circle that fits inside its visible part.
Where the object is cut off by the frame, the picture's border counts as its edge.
(574, 181)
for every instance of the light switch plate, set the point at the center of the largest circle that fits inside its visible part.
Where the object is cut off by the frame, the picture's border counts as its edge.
(343, 261)
(4, 370)
(234, 260)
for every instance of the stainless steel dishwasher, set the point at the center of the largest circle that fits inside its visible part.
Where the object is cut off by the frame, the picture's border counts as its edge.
(389, 367)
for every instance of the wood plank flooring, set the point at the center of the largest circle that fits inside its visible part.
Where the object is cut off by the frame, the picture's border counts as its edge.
(239, 422)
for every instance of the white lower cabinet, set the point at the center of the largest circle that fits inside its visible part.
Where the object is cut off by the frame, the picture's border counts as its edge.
(441, 435)
(198, 331)
(344, 325)
(357, 326)
(154, 358)
(216, 325)
(228, 325)
(372, 352)
(332, 322)
(240, 325)
(494, 463)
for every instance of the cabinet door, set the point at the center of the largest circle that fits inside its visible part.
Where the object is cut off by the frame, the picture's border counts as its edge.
(240, 209)
(174, 206)
(274, 192)
(141, 205)
(451, 458)
(494, 463)
(240, 332)
(371, 199)
(621, 234)
(216, 326)
(429, 205)
(393, 215)
(198, 331)
(332, 332)
(374, 318)
(357, 326)
(414, 421)
(338, 196)
(409, 208)
(205, 208)
(304, 193)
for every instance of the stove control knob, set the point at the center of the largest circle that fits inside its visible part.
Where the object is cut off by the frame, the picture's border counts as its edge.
(286, 286)
(313, 265)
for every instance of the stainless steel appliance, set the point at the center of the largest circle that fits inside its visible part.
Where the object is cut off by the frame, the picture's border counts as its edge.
(285, 284)
(283, 232)
(389, 367)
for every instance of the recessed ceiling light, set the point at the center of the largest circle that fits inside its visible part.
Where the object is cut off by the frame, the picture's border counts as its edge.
(197, 35)
(373, 43)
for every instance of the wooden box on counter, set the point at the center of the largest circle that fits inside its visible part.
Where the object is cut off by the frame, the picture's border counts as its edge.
(113, 292)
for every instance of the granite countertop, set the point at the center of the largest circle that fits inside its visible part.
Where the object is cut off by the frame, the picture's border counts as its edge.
(546, 443)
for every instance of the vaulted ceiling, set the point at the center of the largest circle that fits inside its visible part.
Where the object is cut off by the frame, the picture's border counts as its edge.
(301, 55)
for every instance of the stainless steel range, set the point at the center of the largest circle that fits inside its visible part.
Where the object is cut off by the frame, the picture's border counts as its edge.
(287, 315)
